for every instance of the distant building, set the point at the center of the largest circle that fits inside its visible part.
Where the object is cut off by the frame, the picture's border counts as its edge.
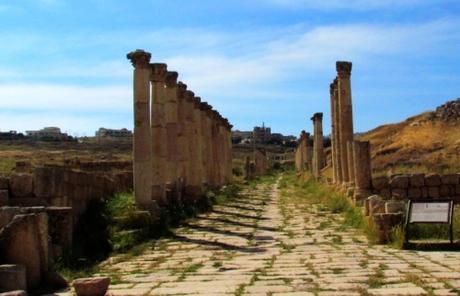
(262, 134)
(11, 135)
(114, 133)
(49, 134)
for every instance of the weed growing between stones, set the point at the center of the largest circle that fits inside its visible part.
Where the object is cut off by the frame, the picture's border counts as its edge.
(328, 201)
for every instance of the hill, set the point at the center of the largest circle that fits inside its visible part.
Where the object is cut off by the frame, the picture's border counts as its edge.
(428, 142)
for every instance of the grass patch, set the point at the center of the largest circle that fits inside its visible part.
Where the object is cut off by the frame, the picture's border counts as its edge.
(307, 190)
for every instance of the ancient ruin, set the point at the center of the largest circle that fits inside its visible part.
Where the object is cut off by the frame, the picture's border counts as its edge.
(181, 145)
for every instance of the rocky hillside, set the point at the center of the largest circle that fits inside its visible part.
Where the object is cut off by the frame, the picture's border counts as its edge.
(429, 142)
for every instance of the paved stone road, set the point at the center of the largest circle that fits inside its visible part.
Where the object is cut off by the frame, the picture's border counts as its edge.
(267, 244)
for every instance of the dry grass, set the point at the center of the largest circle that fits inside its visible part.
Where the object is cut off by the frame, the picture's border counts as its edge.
(415, 145)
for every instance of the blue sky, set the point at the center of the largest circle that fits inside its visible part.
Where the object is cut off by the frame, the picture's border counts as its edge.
(63, 63)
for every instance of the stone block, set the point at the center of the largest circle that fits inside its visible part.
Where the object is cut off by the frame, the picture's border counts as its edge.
(96, 286)
(395, 206)
(24, 241)
(4, 181)
(385, 223)
(4, 198)
(424, 192)
(49, 181)
(376, 205)
(380, 183)
(385, 192)
(445, 190)
(417, 180)
(414, 193)
(432, 180)
(449, 179)
(12, 277)
(433, 192)
(399, 181)
(457, 189)
(21, 185)
(399, 193)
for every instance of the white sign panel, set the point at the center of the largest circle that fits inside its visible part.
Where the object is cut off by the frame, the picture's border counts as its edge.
(430, 212)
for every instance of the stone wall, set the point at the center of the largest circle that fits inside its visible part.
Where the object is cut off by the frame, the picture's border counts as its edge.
(62, 187)
(418, 186)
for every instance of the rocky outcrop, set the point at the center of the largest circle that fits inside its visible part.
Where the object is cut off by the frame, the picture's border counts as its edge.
(450, 111)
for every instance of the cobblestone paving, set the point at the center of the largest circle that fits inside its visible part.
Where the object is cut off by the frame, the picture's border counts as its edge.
(263, 244)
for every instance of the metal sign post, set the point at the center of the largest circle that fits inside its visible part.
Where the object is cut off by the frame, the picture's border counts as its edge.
(430, 212)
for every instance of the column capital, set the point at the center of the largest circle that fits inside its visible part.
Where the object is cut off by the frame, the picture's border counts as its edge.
(171, 78)
(317, 116)
(159, 71)
(181, 89)
(139, 58)
(189, 96)
(343, 69)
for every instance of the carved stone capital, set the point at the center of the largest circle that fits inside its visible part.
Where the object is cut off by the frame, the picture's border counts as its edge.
(159, 71)
(139, 58)
(317, 116)
(181, 90)
(189, 96)
(171, 79)
(343, 69)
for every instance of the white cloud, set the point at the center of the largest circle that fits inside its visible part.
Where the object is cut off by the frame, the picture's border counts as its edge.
(66, 97)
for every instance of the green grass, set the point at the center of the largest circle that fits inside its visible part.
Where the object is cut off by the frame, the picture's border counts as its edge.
(310, 191)
(7, 165)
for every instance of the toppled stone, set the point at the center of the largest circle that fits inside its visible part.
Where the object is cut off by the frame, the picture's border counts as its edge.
(376, 205)
(395, 206)
(399, 181)
(399, 193)
(432, 180)
(385, 223)
(24, 241)
(380, 183)
(417, 180)
(96, 286)
(21, 185)
(12, 277)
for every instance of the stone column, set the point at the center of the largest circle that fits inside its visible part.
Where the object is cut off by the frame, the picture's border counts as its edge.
(215, 171)
(158, 130)
(171, 118)
(142, 145)
(298, 159)
(306, 152)
(318, 157)
(346, 114)
(336, 146)
(310, 153)
(363, 171)
(229, 152)
(182, 141)
(193, 168)
(197, 146)
(205, 135)
(351, 167)
(333, 127)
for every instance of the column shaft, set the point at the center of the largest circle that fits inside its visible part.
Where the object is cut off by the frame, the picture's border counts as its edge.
(142, 147)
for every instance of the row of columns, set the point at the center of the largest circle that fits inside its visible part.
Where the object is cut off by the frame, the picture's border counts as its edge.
(309, 155)
(180, 144)
(351, 166)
